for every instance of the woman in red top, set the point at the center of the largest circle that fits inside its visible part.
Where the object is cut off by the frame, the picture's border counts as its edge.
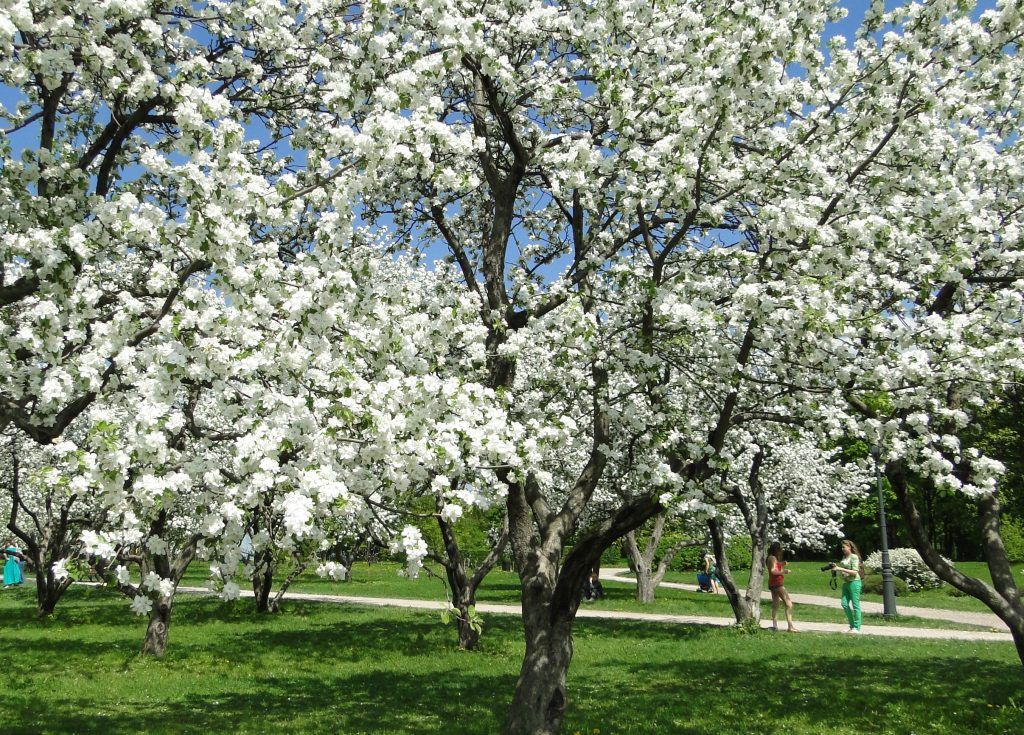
(776, 585)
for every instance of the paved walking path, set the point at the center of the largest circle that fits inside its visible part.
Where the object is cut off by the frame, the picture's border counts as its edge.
(597, 612)
(988, 620)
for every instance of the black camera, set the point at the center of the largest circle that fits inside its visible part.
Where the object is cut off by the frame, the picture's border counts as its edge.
(828, 567)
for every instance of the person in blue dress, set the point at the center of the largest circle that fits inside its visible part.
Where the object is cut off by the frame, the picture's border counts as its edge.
(12, 569)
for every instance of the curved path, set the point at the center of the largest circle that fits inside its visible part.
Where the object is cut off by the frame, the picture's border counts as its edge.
(987, 620)
(592, 612)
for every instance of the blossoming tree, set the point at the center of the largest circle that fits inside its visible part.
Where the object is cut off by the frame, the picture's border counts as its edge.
(766, 194)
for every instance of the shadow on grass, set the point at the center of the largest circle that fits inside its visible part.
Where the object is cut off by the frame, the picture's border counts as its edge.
(363, 675)
(788, 684)
(334, 669)
(378, 702)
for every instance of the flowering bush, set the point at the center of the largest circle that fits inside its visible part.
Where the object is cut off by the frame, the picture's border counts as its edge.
(908, 565)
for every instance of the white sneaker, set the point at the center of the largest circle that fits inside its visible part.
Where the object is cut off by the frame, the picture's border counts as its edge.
(848, 630)
(856, 631)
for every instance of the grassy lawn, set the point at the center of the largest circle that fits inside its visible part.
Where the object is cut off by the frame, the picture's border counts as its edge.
(808, 579)
(382, 580)
(319, 668)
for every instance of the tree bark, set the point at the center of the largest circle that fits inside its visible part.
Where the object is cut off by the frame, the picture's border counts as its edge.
(641, 562)
(641, 568)
(755, 514)
(539, 702)
(155, 643)
(745, 606)
(49, 589)
(1003, 597)
(463, 582)
(263, 580)
(468, 635)
(551, 597)
(645, 585)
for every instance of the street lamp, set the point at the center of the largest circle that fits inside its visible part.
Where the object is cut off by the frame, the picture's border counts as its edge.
(888, 588)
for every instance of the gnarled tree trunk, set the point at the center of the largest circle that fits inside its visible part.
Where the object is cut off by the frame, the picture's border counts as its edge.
(166, 567)
(551, 597)
(155, 643)
(754, 509)
(263, 580)
(49, 589)
(641, 562)
(464, 582)
(1003, 597)
(540, 698)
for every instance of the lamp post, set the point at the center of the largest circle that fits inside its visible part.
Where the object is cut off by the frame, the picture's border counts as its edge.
(888, 588)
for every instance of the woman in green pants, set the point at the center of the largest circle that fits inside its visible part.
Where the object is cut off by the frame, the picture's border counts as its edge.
(850, 568)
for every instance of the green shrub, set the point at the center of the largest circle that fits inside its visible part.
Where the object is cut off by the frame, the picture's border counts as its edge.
(691, 559)
(738, 552)
(872, 584)
(614, 556)
(1012, 531)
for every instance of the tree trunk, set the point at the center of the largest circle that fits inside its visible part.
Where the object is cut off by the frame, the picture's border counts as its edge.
(155, 643)
(159, 625)
(463, 589)
(263, 580)
(645, 586)
(640, 565)
(752, 596)
(49, 589)
(462, 582)
(1003, 597)
(539, 702)
(468, 635)
(299, 567)
(748, 605)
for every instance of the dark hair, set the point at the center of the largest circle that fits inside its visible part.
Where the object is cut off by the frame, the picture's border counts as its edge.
(775, 550)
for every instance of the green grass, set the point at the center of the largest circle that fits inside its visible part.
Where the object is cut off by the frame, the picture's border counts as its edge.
(318, 668)
(382, 580)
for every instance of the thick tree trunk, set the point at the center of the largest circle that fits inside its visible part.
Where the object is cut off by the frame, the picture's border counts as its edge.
(1003, 597)
(263, 581)
(539, 702)
(640, 565)
(645, 586)
(155, 643)
(49, 589)
(746, 606)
